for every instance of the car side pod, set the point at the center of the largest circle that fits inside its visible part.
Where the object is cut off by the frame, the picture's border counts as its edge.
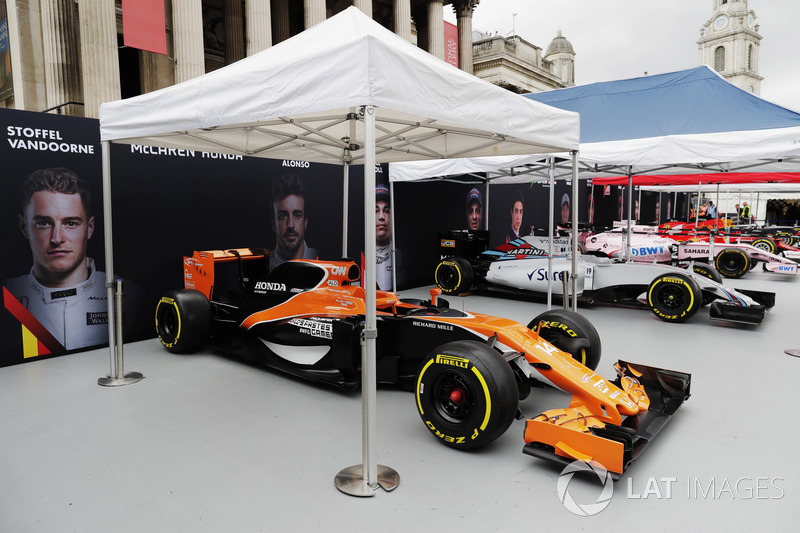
(578, 434)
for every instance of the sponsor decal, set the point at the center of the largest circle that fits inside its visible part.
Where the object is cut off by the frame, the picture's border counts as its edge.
(541, 274)
(647, 250)
(192, 262)
(452, 360)
(447, 243)
(97, 319)
(269, 286)
(63, 294)
(337, 270)
(526, 251)
(703, 251)
(313, 328)
(333, 283)
(432, 325)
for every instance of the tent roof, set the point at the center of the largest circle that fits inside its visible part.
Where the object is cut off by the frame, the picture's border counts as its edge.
(690, 116)
(303, 99)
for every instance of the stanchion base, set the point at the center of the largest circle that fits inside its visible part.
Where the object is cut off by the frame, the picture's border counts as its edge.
(351, 480)
(127, 379)
(793, 351)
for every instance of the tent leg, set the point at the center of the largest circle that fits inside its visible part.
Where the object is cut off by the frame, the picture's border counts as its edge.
(117, 375)
(363, 479)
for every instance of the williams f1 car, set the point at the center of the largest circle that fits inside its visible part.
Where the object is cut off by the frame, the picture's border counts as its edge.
(468, 371)
(673, 294)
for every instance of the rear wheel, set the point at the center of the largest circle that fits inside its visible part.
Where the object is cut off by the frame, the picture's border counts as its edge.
(732, 262)
(766, 244)
(785, 237)
(466, 394)
(569, 332)
(674, 297)
(183, 320)
(454, 275)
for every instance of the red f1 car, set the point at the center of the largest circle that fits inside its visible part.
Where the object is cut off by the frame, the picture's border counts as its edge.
(468, 371)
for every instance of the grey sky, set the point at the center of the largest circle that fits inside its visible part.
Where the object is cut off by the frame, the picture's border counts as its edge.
(618, 39)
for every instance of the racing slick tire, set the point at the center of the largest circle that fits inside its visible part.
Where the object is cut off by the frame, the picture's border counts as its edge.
(466, 394)
(183, 320)
(568, 331)
(674, 297)
(733, 263)
(786, 238)
(766, 244)
(707, 271)
(454, 275)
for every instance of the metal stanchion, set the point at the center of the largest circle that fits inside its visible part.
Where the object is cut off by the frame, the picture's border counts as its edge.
(117, 376)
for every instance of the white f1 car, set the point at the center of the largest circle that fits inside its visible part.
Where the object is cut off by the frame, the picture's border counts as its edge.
(673, 294)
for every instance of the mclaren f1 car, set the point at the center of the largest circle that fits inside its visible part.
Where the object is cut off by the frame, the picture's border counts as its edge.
(521, 267)
(468, 371)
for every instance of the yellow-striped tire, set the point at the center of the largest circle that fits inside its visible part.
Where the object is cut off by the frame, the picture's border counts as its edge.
(570, 332)
(674, 297)
(183, 320)
(454, 275)
(466, 394)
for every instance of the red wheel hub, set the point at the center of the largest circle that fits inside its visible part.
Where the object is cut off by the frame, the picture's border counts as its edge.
(457, 396)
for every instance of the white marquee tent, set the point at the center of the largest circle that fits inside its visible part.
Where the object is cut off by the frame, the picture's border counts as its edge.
(345, 91)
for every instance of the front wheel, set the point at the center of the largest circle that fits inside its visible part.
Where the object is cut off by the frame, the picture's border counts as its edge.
(569, 332)
(733, 262)
(183, 320)
(674, 297)
(454, 275)
(466, 394)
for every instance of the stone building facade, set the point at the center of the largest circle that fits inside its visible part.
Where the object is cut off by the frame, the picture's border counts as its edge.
(67, 56)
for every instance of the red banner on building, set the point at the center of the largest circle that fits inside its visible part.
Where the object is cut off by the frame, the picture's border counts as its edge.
(144, 25)
(451, 43)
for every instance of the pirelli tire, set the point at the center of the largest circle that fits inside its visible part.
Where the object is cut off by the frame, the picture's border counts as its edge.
(183, 320)
(707, 271)
(454, 275)
(787, 238)
(466, 394)
(765, 244)
(733, 263)
(674, 297)
(570, 332)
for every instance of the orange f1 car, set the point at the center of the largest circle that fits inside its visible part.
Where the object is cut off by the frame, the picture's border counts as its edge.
(468, 371)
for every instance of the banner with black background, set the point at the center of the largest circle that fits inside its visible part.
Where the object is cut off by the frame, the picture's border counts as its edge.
(168, 203)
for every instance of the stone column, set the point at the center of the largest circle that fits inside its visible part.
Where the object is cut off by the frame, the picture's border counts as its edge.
(282, 28)
(436, 29)
(463, 10)
(259, 26)
(314, 12)
(100, 62)
(187, 32)
(365, 6)
(61, 61)
(234, 31)
(402, 19)
(419, 12)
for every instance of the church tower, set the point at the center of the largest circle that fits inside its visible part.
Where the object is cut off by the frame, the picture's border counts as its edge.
(729, 43)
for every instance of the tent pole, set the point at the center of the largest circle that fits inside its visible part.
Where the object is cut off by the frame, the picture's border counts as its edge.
(575, 232)
(363, 479)
(394, 234)
(552, 177)
(630, 210)
(485, 218)
(117, 375)
(345, 206)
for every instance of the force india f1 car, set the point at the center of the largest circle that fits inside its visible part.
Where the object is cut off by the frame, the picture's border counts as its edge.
(468, 371)
(731, 259)
(673, 294)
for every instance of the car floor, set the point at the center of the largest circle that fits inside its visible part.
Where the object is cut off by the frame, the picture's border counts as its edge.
(208, 443)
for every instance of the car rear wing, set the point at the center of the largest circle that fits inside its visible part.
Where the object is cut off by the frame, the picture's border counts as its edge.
(199, 269)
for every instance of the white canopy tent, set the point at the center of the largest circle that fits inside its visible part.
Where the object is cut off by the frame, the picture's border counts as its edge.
(345, 91)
